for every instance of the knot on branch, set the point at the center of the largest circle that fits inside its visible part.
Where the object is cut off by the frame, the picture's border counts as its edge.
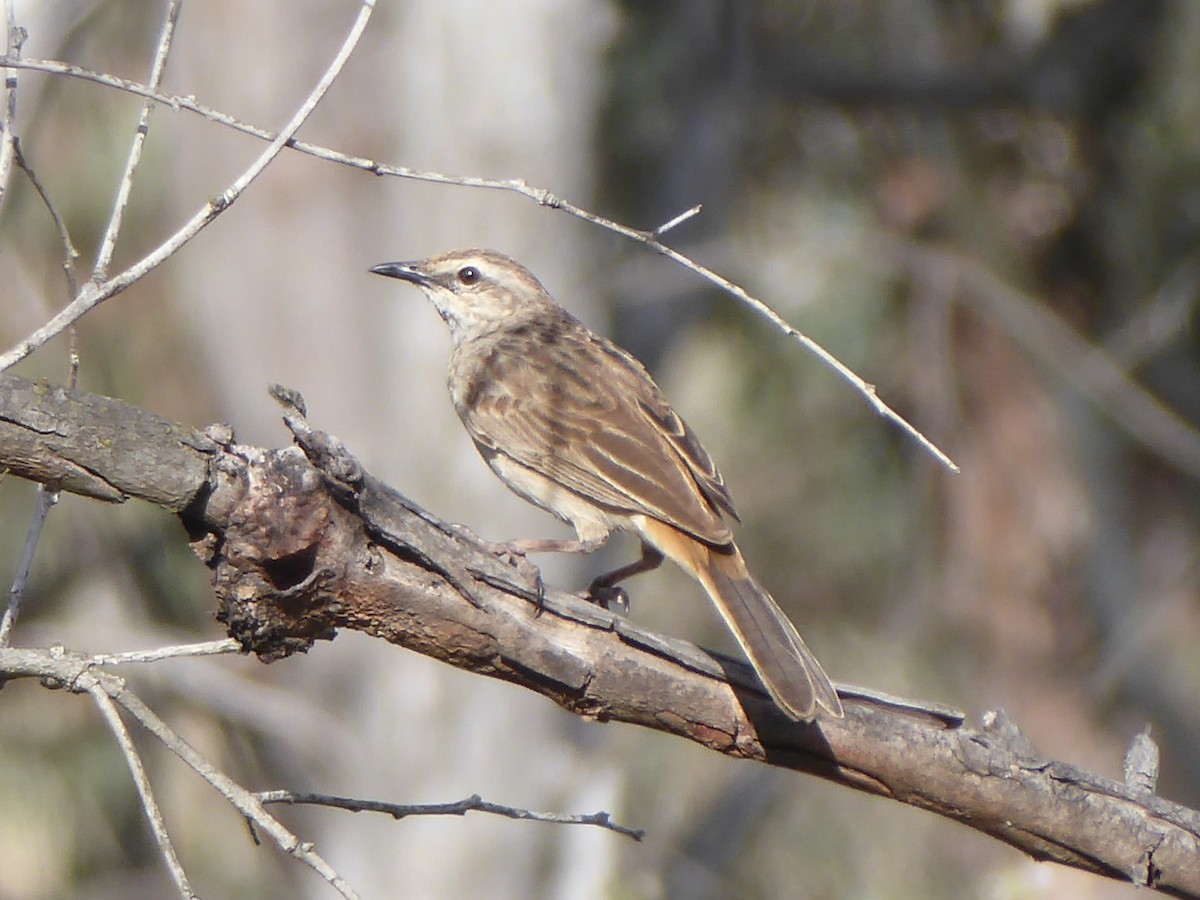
(283, 552)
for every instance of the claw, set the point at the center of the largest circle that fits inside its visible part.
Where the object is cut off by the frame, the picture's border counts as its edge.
(527, 570)
(512, 554)
(608, 597)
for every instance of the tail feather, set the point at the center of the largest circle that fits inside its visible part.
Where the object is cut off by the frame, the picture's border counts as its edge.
(786, 666)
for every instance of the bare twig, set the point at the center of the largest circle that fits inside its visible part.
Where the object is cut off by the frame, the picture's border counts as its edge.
(206, 648)
(93, 293)
(243, 800)
(109, 242)
(70, 254)
(59, 668)
(142, 781)
(46, 497)
(677, 221)
(519, 186)
(474, 803)
(14, 38)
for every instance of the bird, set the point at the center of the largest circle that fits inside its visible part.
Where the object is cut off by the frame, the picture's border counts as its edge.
(574, 424)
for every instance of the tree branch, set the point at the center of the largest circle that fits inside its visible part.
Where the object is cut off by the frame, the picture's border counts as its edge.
(301, 544)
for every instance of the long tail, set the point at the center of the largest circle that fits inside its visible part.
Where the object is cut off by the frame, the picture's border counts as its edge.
(788, 669)
(786, 666)
(783, 661)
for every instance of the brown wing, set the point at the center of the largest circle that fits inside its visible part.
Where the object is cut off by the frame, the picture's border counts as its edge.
(672, 426)
(575, 408)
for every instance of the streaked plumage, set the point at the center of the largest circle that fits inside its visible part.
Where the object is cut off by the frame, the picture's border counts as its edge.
(586, 414)
(576, 425)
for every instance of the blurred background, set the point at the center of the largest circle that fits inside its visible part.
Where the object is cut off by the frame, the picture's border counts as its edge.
(990, 209)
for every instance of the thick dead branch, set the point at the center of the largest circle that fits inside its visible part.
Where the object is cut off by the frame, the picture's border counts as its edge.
(302, 541)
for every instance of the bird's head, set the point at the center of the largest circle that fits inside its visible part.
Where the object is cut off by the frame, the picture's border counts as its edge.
(475, 291)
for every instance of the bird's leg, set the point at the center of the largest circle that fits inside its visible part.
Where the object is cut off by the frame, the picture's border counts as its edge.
(516, 553)
(603, 589)
(524, 546)
(518, 550)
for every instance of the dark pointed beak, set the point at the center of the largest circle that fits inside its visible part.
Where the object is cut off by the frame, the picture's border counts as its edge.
(405, 271)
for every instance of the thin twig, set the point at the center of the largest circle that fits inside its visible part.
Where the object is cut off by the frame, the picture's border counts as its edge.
(243, 800)
(142, 781)
(515, 185)
(92, 293)
(864, 387)
(677, 221)
(474, 803)
(46, 497)
(58, 667)
(205, 648)
(109, 242)
(14, 38)
(70, 254)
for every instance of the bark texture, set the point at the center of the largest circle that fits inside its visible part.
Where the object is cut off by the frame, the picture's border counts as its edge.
(302, 541)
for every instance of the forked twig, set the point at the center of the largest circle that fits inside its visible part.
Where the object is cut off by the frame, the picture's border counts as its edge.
(515, 185)
(94, 293)
(242, 800)
(142, 781)
(59, 668)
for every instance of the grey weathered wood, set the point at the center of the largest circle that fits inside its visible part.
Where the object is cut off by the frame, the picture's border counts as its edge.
(301, 544)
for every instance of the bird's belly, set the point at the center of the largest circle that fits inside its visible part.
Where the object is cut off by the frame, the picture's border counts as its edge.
(591, 522)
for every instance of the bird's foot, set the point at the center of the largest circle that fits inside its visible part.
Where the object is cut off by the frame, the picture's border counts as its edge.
(525, 569)
(513, 553)
(608, 596)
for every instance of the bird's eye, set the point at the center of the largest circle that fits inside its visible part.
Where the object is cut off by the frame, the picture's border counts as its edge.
(468, 274)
